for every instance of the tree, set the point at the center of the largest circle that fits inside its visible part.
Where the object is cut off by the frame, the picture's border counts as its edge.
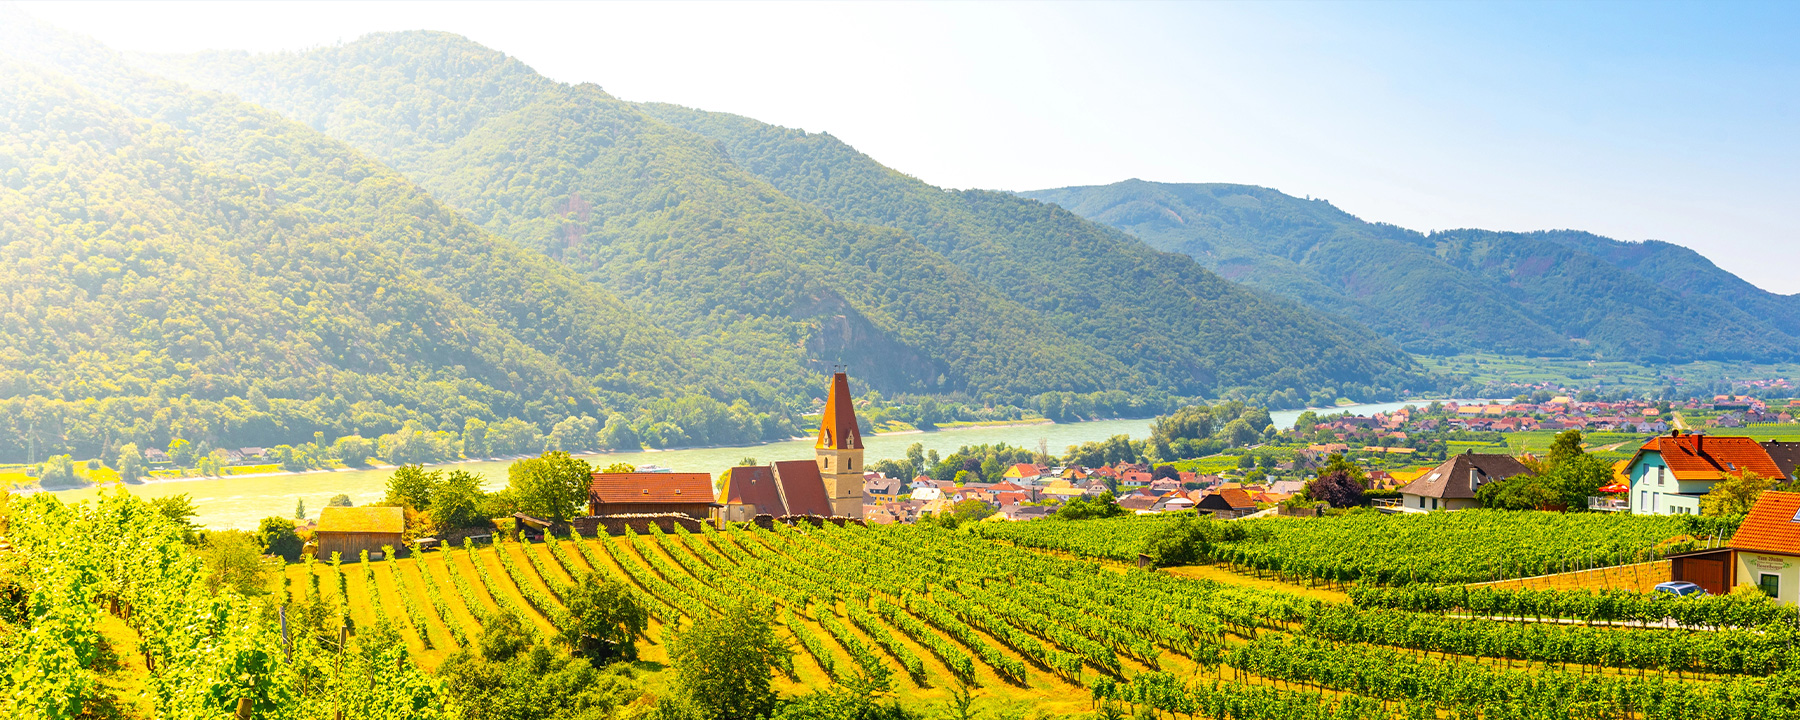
(618, 435)
(725, 665)
(354, 450)
(1340, 483)
(1104, 506)
(179, 451)
(179, 509)
(1519, 492)
(552, 486)
(575, 433)
(971, 510)
(233, 560)
(620, 467)
(1735, 494)
(1565, 447)
(300, 509)
(411, 486)
(456, 501)
(131, 462)
(507, 675)
(474, 437)
(604, 620)
(276, 536)
(338, 500)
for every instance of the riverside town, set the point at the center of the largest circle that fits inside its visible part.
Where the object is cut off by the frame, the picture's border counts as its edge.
(899, 361)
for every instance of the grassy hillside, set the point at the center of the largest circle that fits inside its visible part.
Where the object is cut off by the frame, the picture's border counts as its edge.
(1556, 293)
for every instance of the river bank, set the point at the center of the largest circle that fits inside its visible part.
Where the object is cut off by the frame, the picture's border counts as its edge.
(241, 501)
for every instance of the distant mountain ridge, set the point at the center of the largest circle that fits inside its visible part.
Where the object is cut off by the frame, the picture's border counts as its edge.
(1563, 293)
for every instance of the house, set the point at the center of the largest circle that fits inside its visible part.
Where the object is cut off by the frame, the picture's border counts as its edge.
(1134, 478)
(155, 456)
(349, 531)
(1452, 485)
(1023, 472)
(1670, 473)
(1140, 504)
(1785, 454)
(1172, 502)
(1286, 487)
(791, 487)
(927, 493)
(883, 486)
(1227, 504)
(1165, 484)
(1765, 553)
(634, 493)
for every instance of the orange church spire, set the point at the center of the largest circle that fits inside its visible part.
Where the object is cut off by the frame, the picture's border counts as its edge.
(837, 428)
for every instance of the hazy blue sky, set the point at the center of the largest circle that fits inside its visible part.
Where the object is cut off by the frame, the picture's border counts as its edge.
(1635, 120)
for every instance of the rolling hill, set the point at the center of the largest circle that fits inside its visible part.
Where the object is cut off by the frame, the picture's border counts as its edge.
(1546, 293)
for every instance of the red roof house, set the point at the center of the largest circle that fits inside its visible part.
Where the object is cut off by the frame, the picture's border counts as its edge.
(690, 494)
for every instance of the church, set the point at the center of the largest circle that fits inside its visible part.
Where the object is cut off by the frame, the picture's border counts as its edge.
(829, 484)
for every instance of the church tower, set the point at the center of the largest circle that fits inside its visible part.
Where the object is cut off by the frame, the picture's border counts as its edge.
(840, 450)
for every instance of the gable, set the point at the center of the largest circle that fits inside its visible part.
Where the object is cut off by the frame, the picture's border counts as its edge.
(802, 488)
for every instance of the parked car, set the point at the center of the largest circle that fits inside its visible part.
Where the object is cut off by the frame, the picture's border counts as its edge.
(1680, 588)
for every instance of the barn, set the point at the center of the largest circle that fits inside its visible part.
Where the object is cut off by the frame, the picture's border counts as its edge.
(351, 530)
(635, 493)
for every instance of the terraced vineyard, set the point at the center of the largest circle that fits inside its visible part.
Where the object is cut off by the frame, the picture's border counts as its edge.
(935, 608)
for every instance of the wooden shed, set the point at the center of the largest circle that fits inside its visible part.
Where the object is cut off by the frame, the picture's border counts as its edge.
(351, 530)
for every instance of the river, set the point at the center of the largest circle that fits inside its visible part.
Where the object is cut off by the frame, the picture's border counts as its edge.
(240, 502)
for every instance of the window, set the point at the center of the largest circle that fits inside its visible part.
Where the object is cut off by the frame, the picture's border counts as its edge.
(828, 462)
(1770, 583)
(1659, 476)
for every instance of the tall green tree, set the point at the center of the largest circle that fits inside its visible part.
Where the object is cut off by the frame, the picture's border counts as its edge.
(725, 665)
(553, 486)
(604, 620)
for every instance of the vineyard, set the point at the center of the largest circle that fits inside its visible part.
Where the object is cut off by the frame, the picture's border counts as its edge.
(934, 609)
(1436, 548)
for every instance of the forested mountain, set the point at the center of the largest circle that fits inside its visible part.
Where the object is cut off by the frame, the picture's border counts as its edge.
(220, 273)
(415, 230)
(994, 293)
(1160, 313)
(1553, 293)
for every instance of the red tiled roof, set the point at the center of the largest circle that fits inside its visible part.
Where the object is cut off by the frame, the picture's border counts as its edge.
(1137, 477)
(1025, 470)
(661, 488)
(803, 488)
(837, 428)
(1770, 527)
(1704, 457)
(753, 485)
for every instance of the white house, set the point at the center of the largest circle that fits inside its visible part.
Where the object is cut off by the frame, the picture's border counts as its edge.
(1670, 473)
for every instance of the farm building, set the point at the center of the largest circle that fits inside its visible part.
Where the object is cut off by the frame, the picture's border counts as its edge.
(351, 530)
(689, 494)
(1452, 485)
